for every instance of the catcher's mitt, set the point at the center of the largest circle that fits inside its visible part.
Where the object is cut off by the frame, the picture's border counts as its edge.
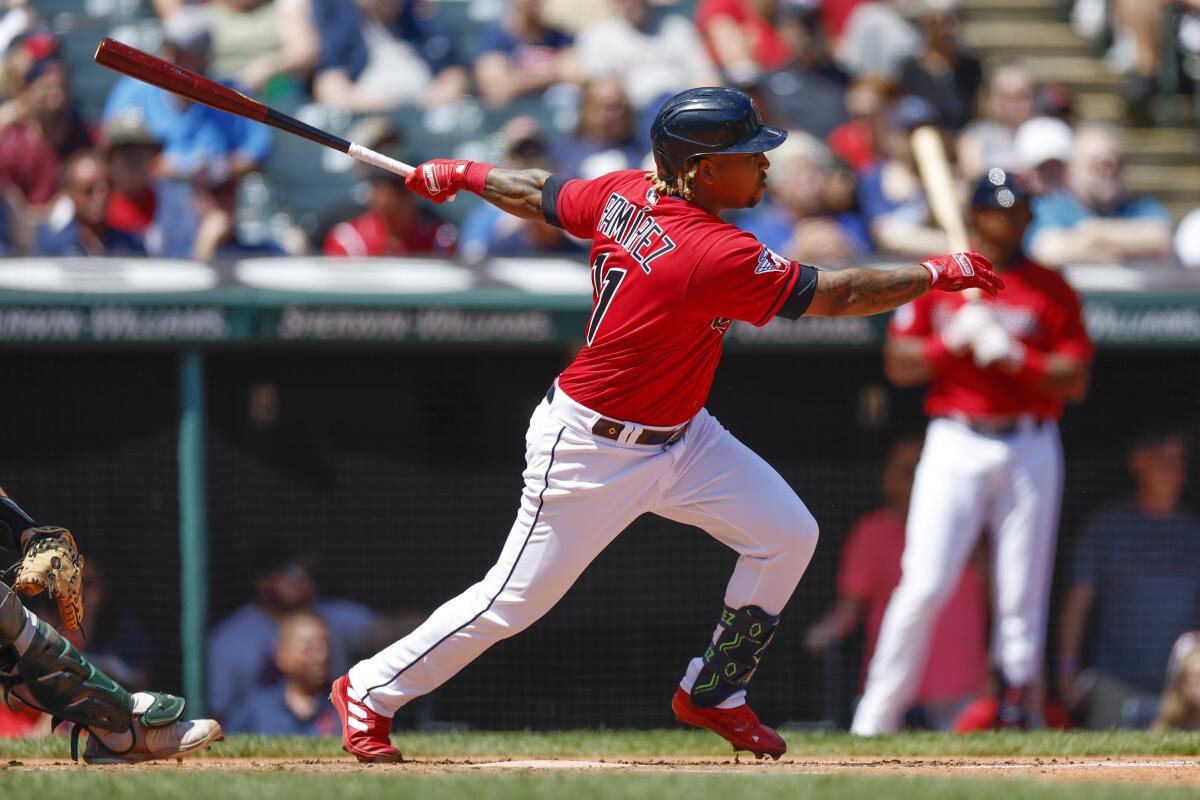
(51, 562)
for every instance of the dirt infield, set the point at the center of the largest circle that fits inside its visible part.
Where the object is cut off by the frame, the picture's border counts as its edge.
(1169, 771)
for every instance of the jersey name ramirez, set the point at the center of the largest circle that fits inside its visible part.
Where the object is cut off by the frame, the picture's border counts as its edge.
(634, 230)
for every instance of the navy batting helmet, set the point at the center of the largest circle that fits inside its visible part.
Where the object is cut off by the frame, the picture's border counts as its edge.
(708, 121)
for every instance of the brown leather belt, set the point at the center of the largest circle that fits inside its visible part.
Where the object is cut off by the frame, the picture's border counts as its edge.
(611, 429)
(998, 429)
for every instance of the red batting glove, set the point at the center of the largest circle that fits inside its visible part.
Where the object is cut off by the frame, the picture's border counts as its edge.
(439, 180)
(959, 271)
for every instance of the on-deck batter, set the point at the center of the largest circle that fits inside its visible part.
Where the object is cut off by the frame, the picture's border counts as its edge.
(623, 431)
(1001, 370)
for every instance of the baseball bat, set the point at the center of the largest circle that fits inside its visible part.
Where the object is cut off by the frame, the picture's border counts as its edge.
(934, 167)
(199, 89)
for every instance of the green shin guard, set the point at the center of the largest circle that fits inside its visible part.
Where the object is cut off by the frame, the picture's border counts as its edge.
(730, 661)
(64, 684)
(12, 616)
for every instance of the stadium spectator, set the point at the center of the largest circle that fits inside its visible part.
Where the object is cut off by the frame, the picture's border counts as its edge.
(806, 216)
(1180, 703)
(652, 58)
(956, 670)
(113, 640)
(241, 647)
(1187, 240)
(365, 45)
(264, 45)
(856, 141)
(890, 193)
(990, 141)
(1094, 219)
(41, 130)
(487, 231)
(1138, 25)
(879, 37)
(943, 73)
(19, 18)
(522, 55)
(19, 721)
(1043, 148)
(742, 38)
(298, 704)
(604, 140)
(1136, 579)
(218, 235)
(394, 223)
(192, 135)
(76, 226)
(157, 211)
(808, 92)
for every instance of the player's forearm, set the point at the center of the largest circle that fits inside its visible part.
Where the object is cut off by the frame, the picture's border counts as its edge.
(906, 362)
(1073, 621)
(517, 191)
(13, 522)
(1066, 378)
(861, 292)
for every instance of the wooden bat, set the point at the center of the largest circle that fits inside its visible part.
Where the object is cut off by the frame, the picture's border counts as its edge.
(199, 89)
(940, 193)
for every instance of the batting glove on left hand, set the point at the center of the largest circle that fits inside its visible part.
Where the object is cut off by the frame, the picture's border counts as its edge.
(439, 180)
(959, 271)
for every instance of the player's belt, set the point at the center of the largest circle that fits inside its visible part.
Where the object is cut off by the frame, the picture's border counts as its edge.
(611, 429)
(995, 428)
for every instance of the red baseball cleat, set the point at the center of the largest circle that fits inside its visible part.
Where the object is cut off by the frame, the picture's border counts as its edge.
(738, 726)
(364, 733)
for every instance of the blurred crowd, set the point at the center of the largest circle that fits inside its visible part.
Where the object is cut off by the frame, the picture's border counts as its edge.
(851, 80)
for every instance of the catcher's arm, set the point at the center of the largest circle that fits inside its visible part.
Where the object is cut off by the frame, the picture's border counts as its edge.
(49, 560)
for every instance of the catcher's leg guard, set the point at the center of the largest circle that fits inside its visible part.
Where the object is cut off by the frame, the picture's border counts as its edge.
(60, 681)
(731, 660)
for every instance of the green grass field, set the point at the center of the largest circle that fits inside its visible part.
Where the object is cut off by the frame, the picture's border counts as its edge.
(270, 778)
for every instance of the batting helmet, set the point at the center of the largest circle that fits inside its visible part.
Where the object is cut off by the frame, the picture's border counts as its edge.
(708, 121)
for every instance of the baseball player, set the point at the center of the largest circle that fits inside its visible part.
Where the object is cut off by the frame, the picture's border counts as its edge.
(1000, 371)
(42, 670)
(623, 430)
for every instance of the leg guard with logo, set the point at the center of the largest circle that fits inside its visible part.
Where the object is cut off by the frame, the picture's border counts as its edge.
(730, 661)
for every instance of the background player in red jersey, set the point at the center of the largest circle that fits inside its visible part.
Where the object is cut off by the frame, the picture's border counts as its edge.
(1000, 371)
(623, 431)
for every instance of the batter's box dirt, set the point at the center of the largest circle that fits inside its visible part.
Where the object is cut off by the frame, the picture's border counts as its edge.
(1161, 770)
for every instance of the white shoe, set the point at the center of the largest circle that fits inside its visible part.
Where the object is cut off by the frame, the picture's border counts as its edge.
(142, 743)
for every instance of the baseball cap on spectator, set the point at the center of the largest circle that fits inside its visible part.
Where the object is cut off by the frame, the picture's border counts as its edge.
(188, 29)
(998, 189)
(1043, 139)
(911, 112)
(128, 129)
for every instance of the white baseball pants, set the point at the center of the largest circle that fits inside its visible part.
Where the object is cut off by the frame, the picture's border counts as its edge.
(965, 481)
(582, 490)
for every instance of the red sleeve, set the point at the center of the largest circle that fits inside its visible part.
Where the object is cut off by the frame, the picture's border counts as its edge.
(580, 202)
(1069, 336)
(911, 319)
(856, 570)
(741, 278)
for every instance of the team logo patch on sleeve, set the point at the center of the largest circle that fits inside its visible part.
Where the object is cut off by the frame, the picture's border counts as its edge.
(770, 261)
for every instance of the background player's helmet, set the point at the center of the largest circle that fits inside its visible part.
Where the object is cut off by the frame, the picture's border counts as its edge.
(708, 121)
(999, 188)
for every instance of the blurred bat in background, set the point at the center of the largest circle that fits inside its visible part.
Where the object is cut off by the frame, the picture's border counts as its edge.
(929, 152)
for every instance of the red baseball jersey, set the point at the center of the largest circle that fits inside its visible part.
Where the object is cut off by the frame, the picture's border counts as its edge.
(667, 279)
(1037, 307)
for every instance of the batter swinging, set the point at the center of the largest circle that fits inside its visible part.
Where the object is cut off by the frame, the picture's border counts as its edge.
(623, 430)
